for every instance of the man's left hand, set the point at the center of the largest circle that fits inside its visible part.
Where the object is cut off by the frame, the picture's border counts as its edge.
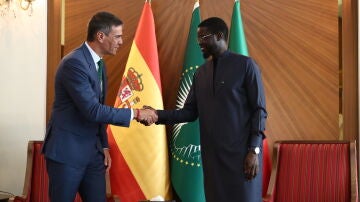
(251, 165)
(107, 160)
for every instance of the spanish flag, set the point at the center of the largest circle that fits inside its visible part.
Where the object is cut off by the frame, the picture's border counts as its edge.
(140, 164)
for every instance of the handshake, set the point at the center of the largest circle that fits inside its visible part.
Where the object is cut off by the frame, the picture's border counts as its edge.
(147, 115)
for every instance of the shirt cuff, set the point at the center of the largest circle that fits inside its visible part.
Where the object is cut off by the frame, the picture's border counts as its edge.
(132, 114)
(256, 139)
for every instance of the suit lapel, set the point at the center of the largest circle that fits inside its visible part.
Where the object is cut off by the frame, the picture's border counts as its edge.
(104, 78)
(92, 70)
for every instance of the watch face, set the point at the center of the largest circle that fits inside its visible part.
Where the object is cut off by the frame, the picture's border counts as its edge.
(257, 150)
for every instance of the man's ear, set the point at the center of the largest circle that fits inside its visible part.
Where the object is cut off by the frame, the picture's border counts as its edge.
(100, 36)
(219, 36)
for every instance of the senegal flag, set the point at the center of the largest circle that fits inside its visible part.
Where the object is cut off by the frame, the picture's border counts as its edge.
(186, 167)
(140, 165)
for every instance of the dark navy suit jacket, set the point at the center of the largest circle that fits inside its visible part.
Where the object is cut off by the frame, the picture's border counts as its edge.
(77, 126)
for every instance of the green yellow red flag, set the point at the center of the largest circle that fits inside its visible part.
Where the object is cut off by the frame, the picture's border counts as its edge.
(140, 164)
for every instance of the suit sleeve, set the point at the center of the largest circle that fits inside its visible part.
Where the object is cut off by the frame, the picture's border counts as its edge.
(76, 81)
(104, 137)
(256, 96)
(188, 113)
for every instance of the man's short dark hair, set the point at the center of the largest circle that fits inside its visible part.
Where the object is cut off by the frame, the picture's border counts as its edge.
(101, 21)
(215, 25)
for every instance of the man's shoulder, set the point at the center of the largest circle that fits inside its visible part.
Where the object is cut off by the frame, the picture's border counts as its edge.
(231, 59)
(238, 56)
(76, 54)
(75, 59)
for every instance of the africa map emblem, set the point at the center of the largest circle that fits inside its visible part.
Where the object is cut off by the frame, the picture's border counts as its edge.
(185, 141)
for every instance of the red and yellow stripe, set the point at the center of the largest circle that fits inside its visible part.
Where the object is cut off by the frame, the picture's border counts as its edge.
(139, 154)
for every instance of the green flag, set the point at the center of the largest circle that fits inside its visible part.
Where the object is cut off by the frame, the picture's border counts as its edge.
(237, 44)
(237, 40)
(186, 167)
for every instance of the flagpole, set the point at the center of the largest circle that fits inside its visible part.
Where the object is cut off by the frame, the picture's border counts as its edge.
(197, 4)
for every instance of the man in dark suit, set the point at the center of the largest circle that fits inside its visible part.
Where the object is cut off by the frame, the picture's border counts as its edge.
(76, 145)
(227, 96)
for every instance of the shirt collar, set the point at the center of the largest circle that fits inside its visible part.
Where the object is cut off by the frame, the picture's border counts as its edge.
(225, 53)
(94, 56)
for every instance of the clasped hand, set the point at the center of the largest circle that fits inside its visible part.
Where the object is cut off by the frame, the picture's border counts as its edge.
(147, 115)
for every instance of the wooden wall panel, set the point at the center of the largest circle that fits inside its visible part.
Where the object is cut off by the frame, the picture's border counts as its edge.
(295, 43)
(53, 50)
(350, 69)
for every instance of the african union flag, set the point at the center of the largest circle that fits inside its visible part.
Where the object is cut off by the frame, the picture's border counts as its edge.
(186, 167)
